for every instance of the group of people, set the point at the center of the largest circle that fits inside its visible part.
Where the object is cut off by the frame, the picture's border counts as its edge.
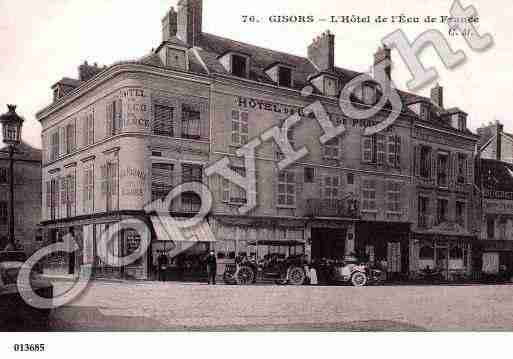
(210, 261)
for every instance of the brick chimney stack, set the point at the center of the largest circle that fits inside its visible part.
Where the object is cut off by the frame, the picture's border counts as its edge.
(383, 57)
(322, 52)
(437, 96)
(169, 25)
(86, 71)
(190, 21)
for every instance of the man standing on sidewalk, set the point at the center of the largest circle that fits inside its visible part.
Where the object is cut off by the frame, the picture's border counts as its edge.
(212, 267)
(162, 262)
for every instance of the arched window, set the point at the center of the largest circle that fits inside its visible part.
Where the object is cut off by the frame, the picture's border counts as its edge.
(427, 252)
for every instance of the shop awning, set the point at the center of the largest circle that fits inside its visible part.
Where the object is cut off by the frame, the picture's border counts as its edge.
(167, 232)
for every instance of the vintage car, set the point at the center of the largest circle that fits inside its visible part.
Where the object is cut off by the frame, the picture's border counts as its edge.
(12, 305)
(349, 270)
(281, 269)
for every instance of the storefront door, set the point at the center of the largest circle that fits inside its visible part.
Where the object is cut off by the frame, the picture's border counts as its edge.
(328, 243)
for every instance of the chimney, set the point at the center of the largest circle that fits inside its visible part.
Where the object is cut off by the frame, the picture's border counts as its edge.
(437, 96)
(169, 25)
(86, 71)
(383, 56)
(322, 52)
(190, 19)
(499, 129)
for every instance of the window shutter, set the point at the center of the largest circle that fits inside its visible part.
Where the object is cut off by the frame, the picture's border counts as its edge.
(62, 137)
(433, 169)
(109, 116)
(416, 160)
(119, 116)
(48, 198)
(398, 151)
(381, 149)
(367, 149)
(453, 164)
(469, 164)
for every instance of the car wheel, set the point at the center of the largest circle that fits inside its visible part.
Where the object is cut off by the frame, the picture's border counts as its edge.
(245, 275)
(296, 276)
(359, 279)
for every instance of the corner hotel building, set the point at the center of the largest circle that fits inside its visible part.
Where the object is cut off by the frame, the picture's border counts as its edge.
(122, 135)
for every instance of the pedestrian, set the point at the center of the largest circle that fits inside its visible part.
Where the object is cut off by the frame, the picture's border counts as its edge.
(211, 267)
(162, 262)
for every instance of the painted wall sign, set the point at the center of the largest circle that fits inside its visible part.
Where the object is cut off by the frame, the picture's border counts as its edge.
(136, 109)
(498, 194)
(133, 182)
(504, 206)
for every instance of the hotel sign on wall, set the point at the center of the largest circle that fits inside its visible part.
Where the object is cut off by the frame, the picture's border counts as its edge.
(498, 206)
(275, 107)
(136, 103)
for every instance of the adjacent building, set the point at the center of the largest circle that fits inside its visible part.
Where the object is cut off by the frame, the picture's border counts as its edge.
(27, 198)
(122, 136)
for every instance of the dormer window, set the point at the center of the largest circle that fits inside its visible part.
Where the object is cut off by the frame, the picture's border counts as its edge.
(239, 66)
(327, 85)
(284, 76)
(424, 112)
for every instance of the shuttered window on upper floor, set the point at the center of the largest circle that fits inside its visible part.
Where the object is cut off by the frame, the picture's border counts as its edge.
(163, 124)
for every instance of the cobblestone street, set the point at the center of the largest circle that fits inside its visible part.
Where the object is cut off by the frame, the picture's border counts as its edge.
(171, 306)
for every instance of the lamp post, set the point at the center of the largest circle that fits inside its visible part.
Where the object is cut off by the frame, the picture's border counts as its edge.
(11, 130)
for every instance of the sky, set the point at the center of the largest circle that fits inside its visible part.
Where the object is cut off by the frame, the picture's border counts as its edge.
(45, 40)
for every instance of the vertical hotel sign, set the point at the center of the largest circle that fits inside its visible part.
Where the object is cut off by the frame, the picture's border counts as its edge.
(137, 110)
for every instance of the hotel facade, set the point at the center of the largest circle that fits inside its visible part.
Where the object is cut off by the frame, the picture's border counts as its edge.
(122, 136)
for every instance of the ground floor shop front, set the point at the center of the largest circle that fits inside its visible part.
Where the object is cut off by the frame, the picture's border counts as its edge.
(401, 253)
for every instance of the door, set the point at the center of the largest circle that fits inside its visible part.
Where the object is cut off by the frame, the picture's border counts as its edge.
(328, 243)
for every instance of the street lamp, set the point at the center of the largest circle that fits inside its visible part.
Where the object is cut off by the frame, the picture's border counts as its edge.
(11, 129)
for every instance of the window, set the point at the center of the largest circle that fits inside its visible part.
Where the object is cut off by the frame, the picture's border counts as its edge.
(309, 175)
(443, 169)
(425, 162)
(284, 76)
(192, 173)
(240, 128)
(54, 146)
(89, 129)
(88, 189)
(423, 211)
(456, 253)
(161, 180)
(331, 149)
(3, 212)
(394, 151)
(460, 213)
(191, 123)
(369, 195)
(350, 178)
(163, 123)
(369, 95)
(4, 173)
(110, 184)
(427, 252)
(490, 228)
(286, 189)
(424, 112)
(394, 196)
(374, 150)
(442, 210)
(233, 193)
(70, 138)
(191, 202)
(462, 122)
(114, 117)
(52, 198)
(239, 66)
(330, 188)
(69, 183)
(462, 168)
